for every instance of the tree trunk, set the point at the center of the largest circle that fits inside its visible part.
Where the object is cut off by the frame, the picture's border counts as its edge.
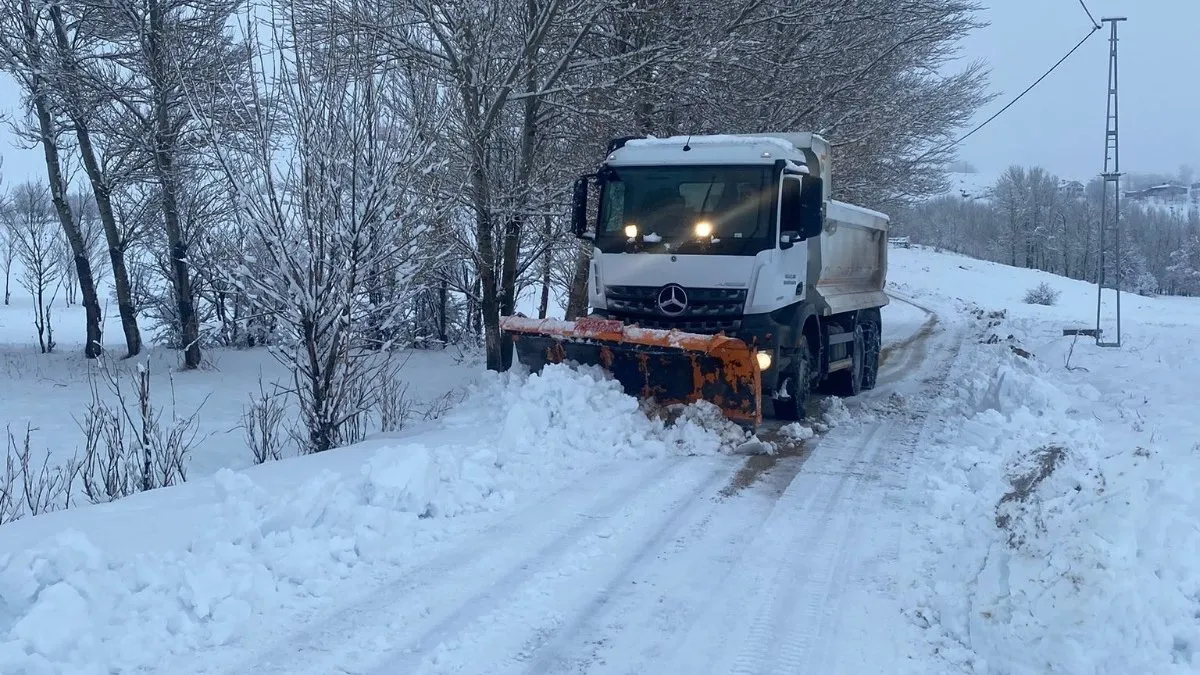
(49, 138)
(474, 315)
(443, 306)
(189, 322)
(508, 282)
(116, 246)
(512, 228)
(577, 301)
(489, 299)
(164, 166)
(547, 259)
(39, 315)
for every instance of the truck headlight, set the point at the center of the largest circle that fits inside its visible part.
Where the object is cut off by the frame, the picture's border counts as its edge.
(764, 360)
(631, 231)
(704, 229)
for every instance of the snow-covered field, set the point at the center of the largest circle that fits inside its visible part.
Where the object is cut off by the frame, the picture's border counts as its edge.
(985, 509)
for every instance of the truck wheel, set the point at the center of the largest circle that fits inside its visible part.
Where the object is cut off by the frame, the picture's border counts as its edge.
(849, 382)
(872, 340)
(796, 383)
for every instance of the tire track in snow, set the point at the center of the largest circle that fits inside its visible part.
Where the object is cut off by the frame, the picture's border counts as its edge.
(498, 638)
(864, 568)
(502, 551)
(617, 625)
(823, 572)
(792, 600)
(677, 535)
(713, 609)
(814, 543)
(912, 351)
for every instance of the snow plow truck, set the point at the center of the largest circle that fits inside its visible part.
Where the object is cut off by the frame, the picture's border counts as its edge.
(722, 270)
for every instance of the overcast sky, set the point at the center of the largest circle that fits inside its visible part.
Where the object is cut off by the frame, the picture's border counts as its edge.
(1060, 124)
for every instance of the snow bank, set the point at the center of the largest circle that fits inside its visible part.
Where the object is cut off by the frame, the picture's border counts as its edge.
(67, 607)
(1058, 540)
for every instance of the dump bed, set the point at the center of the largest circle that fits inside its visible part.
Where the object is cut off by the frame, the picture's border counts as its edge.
(848, 262)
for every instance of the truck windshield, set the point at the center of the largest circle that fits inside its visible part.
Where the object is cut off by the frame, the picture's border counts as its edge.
(675, 208)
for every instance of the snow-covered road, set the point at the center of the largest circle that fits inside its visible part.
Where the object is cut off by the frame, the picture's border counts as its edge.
(1008, 500)
(669, 565)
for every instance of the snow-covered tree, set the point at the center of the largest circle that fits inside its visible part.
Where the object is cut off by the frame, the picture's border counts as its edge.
(83, 87)
(1183, 272)
(24, 38)
(332, 199)
(30, 220)
(171, 68)
(1032, 219)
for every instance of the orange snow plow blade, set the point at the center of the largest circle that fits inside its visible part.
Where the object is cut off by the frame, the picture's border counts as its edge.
(667, 366)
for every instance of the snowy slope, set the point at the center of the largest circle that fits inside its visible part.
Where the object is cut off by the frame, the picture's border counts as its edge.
(1059, 506)
(984, 510)
(971, 185)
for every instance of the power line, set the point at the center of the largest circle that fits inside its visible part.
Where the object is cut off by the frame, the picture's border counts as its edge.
(1089, 13)
(1010, 104)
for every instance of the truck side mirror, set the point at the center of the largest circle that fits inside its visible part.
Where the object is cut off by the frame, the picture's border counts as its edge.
(810, 220)
(579, 207)
(800, 209)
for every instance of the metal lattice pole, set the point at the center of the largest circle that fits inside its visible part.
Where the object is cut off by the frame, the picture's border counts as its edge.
(1112, 174)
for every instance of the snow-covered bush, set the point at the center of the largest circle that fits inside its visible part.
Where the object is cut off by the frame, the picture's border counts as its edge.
(262, 422)
(28, 487)
(127, 446)
(1042, 294)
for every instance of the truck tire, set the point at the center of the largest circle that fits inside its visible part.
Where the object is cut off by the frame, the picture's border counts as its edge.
(873, 344)
(849, 382)
(797, 382)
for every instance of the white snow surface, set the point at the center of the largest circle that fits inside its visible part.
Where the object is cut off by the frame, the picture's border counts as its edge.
(723, 140)
(1094, 566)
(719, 148)
(986, 509)
(65, 602)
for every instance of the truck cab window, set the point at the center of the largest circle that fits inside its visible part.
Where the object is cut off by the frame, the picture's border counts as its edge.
(664, 205)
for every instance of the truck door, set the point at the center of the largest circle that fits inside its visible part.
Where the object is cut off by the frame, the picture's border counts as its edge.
(793, 253)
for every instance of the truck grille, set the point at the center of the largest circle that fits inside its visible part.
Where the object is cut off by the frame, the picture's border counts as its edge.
(709, 310)
(702, 327)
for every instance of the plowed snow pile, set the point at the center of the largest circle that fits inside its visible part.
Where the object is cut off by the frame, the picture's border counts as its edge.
(1056, 527)
(68, 605)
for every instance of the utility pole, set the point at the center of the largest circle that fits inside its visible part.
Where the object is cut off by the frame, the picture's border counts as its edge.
(1112, 174)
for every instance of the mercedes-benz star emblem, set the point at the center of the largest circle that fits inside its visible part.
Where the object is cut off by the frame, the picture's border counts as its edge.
(672, 300)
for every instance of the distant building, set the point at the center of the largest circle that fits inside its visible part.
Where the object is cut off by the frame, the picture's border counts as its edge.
(1166, 192)
(1071, 189)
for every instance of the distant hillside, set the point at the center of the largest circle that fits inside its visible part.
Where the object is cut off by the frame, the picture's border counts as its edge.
(971, 185)
(1172, 197)
(1176, 196)
(1028, 217)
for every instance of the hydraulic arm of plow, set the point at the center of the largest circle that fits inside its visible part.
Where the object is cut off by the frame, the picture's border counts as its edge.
(666, 366)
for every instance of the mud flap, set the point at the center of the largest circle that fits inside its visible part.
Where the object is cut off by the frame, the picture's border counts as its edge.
(666, 366)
